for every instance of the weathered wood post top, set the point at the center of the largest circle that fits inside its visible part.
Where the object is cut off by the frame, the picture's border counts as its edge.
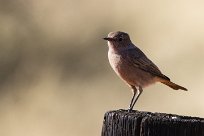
(137, 123)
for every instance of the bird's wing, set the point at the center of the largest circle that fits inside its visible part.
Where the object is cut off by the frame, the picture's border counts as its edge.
(139, 59)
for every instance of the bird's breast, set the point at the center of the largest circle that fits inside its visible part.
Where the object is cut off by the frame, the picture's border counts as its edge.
(129, 73)
(114, 60)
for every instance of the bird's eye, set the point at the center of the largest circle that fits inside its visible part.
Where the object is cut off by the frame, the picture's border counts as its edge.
(120, 39)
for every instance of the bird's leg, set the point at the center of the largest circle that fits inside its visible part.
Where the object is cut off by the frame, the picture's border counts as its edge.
(139, 92)
(134, 89)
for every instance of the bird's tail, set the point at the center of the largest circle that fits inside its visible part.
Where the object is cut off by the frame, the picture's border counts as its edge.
(173, 85)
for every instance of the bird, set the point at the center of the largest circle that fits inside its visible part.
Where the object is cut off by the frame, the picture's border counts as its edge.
(133, 66)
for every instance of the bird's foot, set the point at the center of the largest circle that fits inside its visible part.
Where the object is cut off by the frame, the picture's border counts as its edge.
(130, 109)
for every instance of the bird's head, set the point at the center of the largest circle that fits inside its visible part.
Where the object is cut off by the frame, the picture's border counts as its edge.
(118, 39)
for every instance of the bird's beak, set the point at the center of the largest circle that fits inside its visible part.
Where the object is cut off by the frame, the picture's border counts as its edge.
(108, 39)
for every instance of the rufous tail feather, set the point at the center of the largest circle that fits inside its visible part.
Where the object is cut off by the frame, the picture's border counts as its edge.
(173, 85)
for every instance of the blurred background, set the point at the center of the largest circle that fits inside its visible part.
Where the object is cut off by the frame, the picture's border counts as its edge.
(55, 79)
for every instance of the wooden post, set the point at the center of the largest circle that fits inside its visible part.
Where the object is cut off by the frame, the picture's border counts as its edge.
(137, 123)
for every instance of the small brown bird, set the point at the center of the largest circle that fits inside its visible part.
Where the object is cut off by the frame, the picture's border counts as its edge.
(133, 66)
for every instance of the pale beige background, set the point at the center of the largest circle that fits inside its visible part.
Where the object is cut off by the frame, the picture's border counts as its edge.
(55, 79)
